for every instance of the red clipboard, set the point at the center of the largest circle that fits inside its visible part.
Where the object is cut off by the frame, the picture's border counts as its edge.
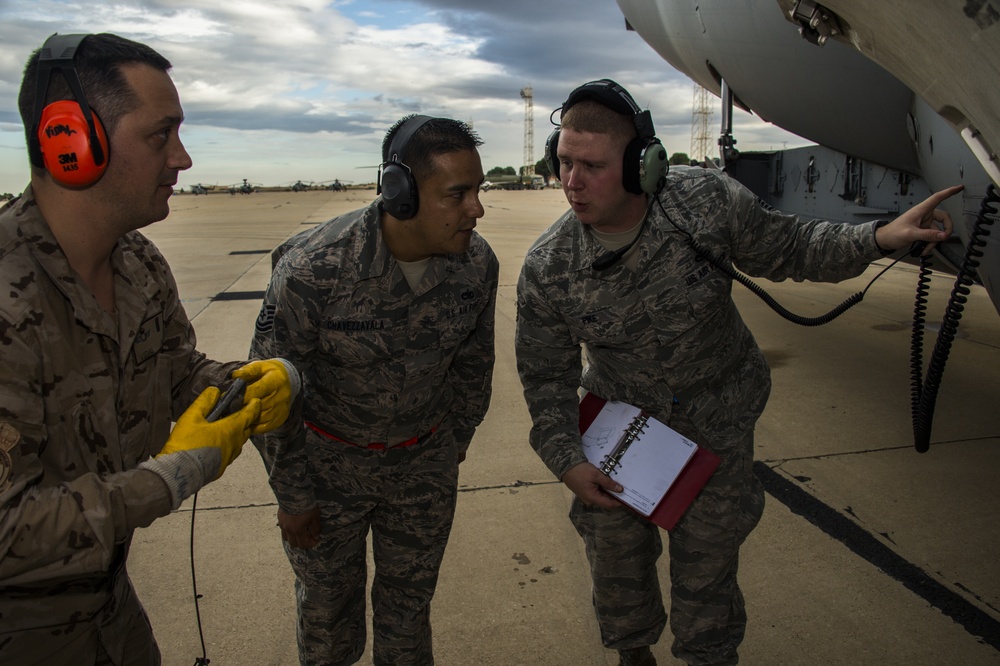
(689, 483)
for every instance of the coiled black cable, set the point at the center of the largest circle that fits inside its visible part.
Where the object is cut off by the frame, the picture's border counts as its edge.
(923, 394)
(917, 333)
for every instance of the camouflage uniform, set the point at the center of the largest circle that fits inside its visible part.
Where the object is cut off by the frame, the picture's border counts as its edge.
(669, 339)
(381, 364)
(81, 405)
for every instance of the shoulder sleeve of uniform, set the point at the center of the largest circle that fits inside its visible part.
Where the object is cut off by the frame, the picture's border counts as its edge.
(548, 364)
(286, 328)
(776, 245)
(292, 303)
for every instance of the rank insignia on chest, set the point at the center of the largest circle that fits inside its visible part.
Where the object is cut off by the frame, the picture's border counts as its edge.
(265, 320)
(149, 338)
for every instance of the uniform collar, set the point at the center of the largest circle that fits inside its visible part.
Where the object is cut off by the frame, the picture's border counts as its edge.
(587, 248)
(377, 261)
(134, 286)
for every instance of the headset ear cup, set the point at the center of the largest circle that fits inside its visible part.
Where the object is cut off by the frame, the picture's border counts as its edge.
(396, 183)
(653, 166)
(551, 158)
(630, 165)
(645, 166)
(64, 141)
(399, 191)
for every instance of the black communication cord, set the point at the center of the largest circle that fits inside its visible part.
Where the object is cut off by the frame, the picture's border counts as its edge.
(223, 406)
(728, 269)
(923, 393)
(203, 660)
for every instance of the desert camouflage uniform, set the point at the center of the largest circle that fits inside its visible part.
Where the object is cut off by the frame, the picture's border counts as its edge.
(381, 364)
(82, 403)
(669, 339)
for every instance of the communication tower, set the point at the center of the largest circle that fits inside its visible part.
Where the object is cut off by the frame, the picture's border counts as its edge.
(529, 132)
(702, 142)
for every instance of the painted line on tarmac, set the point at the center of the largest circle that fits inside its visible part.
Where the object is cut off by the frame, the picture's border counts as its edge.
(239, 296)
(865, 545)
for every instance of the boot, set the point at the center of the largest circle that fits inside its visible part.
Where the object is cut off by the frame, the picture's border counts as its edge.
(640, 656)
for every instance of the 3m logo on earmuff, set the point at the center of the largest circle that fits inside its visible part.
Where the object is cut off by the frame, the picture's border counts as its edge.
(67, 161)
(67, 138)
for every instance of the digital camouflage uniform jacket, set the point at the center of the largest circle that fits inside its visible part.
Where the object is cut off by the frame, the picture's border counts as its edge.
(670, 331)
(83, 400)
(379, 362)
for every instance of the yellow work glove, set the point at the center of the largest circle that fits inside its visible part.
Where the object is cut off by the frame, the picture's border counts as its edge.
(199, 451)
(275, 382)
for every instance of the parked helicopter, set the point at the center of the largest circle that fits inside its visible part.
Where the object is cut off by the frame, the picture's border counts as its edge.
(245, 188)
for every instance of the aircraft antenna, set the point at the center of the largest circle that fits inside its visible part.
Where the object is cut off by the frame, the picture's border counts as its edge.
(702, 140)
(528, 169)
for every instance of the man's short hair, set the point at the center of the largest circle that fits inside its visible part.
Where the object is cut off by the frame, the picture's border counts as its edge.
(592, 116)
(435, 137)
(98, 61)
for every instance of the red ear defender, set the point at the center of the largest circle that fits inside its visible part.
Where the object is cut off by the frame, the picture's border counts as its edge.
(64, 139)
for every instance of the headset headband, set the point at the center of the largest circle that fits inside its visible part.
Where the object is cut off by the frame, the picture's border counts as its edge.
(608, 93)
(402, 137)
(58, 53)
(644, 161)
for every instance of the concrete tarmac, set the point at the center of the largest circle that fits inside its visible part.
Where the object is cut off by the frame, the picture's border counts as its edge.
(867, 553)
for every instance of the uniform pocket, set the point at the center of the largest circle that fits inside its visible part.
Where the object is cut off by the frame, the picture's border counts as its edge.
(604, 326)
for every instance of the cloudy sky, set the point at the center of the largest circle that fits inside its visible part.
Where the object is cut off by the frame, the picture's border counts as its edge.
(278, 90)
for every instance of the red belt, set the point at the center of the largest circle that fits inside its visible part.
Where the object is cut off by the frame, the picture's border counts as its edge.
(374, 445)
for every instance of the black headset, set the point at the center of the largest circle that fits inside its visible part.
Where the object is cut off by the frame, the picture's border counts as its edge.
(66, 137)
(644, 163)
(395, 180)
